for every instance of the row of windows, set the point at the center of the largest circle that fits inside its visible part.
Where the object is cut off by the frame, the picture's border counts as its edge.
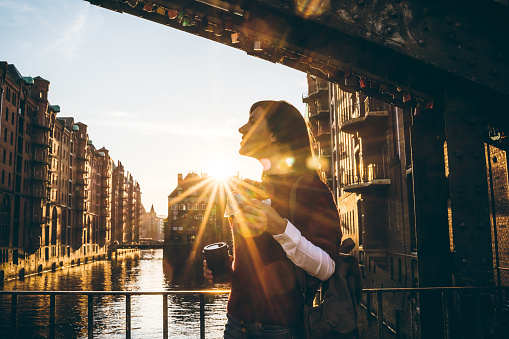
(27, 126)
(180, 228)
(198, 217)
(4, 160)
(188, 207)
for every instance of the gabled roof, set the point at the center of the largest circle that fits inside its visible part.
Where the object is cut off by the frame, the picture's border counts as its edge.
(67, 121)
(189, 181)
(13, 72)
(40, 78)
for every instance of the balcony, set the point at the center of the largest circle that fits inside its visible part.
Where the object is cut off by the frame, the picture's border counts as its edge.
(82, 157)
(320, 87)
(41, 140)
(371, 115)
(82, 194)
(324, 153)
(323, 134)
(368, 178)
(82, 182)
(320, 110)
(40, 176)
(38, 158)
(39, 193)
(81, 169)
(38, 219)
(41, 122)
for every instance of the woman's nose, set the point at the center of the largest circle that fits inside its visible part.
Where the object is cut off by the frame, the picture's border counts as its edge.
(242, 129)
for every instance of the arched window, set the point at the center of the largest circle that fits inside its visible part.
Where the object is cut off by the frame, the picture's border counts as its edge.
(92, 231)
(87, 239)
(63, 228)
(54, 225)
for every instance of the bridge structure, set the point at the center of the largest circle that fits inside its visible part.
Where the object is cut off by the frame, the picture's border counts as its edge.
(446, 61)
(142, 246)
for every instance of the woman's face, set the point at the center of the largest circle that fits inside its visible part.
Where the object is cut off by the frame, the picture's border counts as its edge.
(256, 137)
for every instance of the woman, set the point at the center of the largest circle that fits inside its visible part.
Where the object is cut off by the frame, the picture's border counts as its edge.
(270, 239)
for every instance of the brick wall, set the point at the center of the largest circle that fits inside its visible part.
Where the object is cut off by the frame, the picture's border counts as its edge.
(499, 207)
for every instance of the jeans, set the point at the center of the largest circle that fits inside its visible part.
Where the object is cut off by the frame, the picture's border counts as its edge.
(236, 329)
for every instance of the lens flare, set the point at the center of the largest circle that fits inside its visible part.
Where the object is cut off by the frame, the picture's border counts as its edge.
(311, 8)
(290, 161)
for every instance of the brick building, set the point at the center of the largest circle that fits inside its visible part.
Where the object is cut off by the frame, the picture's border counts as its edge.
(195, 202)
(195, 218)
(56, 189)
(151, 225)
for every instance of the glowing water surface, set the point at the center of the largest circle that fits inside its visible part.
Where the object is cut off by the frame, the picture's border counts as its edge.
(135, 272)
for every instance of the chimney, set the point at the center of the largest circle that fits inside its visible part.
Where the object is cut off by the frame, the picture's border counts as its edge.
(179, 176)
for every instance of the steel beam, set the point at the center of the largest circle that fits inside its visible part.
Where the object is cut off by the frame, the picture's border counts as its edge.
(381, 48)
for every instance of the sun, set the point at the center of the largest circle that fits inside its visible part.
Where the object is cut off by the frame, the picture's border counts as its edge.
(220, 170)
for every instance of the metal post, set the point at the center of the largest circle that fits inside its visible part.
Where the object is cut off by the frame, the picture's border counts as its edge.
(202, 316)
(368, 306)
(445, 314)
(165, 316)
(52, 316)
(380, 314)
(90, 316)
(478, 322)
(14, 315)
(412, 305)
(128, 316)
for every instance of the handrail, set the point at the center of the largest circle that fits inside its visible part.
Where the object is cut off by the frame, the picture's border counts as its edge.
(444, 293)
(91, 294)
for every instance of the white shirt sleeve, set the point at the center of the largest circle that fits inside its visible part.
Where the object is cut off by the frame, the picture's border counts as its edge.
(304, 254)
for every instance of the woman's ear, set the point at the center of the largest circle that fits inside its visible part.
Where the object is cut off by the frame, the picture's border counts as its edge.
(273, 138)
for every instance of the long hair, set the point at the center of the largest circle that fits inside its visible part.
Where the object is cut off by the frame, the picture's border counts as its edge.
(289, 128)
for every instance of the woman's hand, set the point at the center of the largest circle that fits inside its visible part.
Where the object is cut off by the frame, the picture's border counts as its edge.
(257, 215)
(208, 274)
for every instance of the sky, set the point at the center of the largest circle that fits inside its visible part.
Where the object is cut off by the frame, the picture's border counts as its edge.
(160, 100)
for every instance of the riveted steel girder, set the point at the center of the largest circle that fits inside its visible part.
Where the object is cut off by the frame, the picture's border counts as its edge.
(402, 52)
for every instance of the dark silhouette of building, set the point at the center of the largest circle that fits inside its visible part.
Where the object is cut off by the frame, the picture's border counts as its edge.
(195, 218)
(370, 171)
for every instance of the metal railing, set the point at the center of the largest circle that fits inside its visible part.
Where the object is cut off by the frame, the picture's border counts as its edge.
(90, 306)
(466, 312)
(374, 105)
(364, 174)
(380, 304)
(315, 88)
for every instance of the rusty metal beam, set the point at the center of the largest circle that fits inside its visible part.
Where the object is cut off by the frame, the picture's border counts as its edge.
(403, 52)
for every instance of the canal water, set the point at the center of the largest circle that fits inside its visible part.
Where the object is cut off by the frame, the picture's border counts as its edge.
(133, 272)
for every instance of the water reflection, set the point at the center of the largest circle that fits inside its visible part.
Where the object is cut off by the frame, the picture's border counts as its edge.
(136, 272)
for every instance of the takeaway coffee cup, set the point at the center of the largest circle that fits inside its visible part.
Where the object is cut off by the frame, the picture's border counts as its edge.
(218, 261)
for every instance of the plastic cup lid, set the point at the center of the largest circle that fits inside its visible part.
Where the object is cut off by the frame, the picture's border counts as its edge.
(214, 246)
